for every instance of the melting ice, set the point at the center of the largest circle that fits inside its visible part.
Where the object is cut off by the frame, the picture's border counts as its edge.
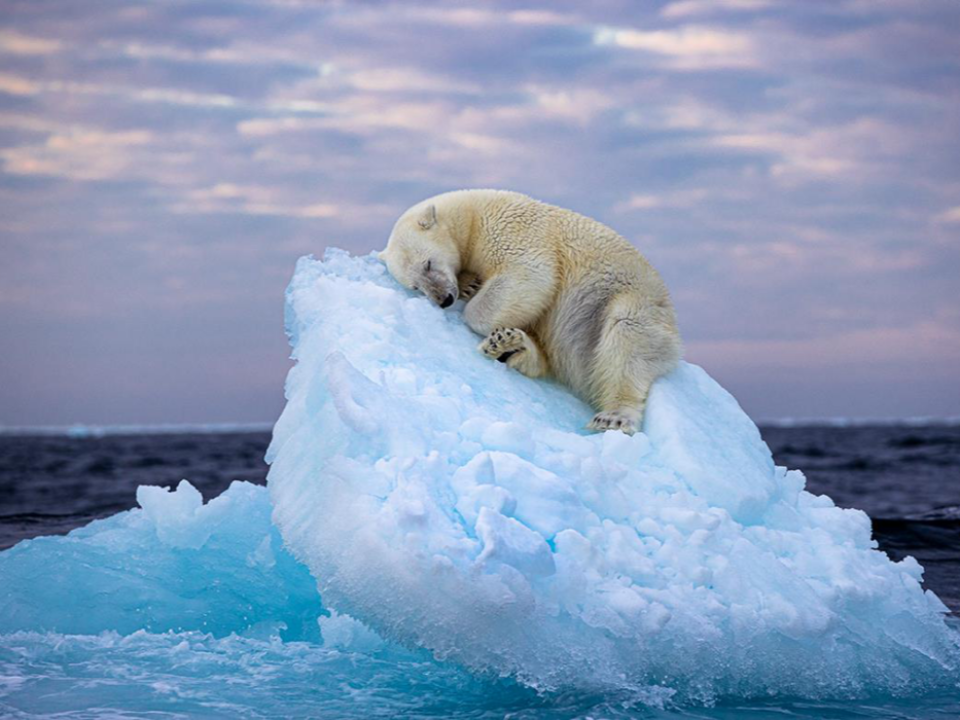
(447, 507)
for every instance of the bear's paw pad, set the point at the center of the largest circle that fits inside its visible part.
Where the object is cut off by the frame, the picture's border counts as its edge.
(503, 343)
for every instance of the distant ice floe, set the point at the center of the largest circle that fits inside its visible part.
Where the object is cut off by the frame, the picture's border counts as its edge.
(79, 430)
(844, 422)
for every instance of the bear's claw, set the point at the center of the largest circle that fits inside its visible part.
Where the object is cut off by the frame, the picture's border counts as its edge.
(614, 420)
(469, 285)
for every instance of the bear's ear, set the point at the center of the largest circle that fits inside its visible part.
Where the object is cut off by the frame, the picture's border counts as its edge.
(429, 218)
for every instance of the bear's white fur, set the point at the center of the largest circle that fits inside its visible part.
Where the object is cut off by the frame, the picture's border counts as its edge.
(552, 291)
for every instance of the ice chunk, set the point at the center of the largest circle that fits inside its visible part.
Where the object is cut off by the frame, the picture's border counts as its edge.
(450, 503)
(176, 564)
(511, 542)
(180, 518)
(342, 631)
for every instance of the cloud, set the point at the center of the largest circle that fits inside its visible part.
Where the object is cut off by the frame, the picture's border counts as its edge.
(677, 199)
(688, 8)
(950, 215)
(481, 143)
(858, 149)
(581, 105)
(236, 53)
(405, 80)
(640, 202)
(365, 114)
(540, 17)
(14, 43)
(261, 127)
(18, 85)
(251, 200)
(30, 123)
(461, 17)
(78, 155)
(910, 346)
(686, 48)
(15, 85)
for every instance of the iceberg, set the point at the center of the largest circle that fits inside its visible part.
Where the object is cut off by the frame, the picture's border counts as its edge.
(454, 505)
(441, 537)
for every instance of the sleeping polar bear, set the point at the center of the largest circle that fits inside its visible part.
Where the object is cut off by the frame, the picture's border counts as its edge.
(553, 293)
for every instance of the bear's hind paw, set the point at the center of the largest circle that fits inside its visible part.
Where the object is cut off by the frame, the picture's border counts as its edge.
(625, 421)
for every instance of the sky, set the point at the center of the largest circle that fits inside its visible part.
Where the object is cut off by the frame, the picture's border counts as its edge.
(792, 169)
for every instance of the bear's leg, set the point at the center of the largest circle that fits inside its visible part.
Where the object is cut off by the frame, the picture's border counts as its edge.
(507, 300)
(517, 349)
(634, 350)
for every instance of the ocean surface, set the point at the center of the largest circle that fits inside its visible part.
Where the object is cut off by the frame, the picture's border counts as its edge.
(906, 477)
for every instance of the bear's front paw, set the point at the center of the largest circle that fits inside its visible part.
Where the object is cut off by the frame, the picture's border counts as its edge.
(623, 420)
(503, 343)
(469, 285)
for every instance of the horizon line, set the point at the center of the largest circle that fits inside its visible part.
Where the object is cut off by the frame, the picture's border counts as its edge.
(83, 430)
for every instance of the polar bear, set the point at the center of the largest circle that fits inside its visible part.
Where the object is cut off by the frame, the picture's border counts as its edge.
(551, 291)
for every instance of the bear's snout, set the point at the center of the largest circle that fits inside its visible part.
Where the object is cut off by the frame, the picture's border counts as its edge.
(441, 290)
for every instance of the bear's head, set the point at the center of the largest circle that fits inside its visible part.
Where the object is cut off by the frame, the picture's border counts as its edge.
(422, 255)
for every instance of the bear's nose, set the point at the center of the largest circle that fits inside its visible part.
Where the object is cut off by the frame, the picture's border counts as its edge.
(447, 301)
